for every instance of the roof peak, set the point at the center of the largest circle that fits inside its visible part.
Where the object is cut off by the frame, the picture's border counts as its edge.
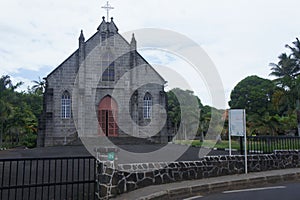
(107, 26)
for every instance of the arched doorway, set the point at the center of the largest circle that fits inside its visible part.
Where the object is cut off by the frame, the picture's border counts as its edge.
(107, 117)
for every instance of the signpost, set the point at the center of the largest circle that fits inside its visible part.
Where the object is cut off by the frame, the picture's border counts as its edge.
(107, 156)
(237, 127)
(111, 156)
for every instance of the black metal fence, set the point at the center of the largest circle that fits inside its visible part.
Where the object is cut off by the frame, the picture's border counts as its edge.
(47, 178)
(268, 144)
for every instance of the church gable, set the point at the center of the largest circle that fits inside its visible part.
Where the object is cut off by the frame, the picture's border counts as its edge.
(108, 57)
(109, 41)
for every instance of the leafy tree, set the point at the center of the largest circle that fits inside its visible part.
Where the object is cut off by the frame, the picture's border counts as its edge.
(287, 71)
(253, 94)
(263, 125)
(19, 112)
(191, 116)
(295, 49)
(183, 112)
(6, 106)
(265, 104)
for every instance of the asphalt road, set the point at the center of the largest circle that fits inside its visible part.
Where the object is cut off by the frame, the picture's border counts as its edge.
(191, 154)
(286, 191)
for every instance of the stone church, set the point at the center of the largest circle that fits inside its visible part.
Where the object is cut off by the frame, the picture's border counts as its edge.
(114, 59)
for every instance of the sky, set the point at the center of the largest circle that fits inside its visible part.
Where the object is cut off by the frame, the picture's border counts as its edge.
(241, 37)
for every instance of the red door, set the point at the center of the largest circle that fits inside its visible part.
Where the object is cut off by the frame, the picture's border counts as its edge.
(107, 117)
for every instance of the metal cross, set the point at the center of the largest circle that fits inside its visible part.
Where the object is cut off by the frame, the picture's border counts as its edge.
(107, 7)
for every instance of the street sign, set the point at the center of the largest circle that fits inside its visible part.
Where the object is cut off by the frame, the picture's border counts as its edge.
(111, 156)
(237, 122)
(237, 127)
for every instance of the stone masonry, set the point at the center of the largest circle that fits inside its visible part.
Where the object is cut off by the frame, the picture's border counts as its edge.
(89, 58)
(125, 178)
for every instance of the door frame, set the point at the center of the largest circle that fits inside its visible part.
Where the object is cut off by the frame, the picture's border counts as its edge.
(108, 117)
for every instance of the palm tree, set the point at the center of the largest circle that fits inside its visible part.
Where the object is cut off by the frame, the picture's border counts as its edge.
(39, 87)
(296, 56)
(285, 70)
(295, 52)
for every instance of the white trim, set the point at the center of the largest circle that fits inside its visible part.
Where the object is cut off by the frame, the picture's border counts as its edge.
(66, 105)
(147, 106)
(254, 189)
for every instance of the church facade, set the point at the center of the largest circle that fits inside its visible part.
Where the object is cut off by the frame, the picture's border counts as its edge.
(116, 59)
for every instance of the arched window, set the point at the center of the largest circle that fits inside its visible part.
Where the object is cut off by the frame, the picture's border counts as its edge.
(147, 108)
(109, 65)
(66, 105)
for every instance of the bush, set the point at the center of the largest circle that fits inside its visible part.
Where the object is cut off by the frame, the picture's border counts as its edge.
(30, 140)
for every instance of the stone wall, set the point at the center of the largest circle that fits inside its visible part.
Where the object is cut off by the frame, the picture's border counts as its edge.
(125, 178)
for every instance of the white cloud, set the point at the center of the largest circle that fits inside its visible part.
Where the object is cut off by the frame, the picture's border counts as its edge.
(26, 83)
(241, 37)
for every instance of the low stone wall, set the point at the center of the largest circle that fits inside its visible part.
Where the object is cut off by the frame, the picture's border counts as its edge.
(125, 178)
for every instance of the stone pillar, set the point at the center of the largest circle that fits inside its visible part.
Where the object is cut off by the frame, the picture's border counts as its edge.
(106, 172)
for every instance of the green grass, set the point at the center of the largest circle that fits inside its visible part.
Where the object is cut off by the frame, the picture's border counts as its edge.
(209, 143)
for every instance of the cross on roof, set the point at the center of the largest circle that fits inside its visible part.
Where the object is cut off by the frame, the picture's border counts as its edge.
(107, 7)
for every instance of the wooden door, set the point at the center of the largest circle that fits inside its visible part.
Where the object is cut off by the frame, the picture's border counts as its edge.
(107, 117)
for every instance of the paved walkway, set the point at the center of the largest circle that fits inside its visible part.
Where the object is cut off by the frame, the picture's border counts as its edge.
(185, 189)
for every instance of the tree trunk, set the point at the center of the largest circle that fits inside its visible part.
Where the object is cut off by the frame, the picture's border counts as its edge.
(202, 136)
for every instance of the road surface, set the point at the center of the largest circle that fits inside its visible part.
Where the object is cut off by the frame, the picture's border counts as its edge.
(286, 191)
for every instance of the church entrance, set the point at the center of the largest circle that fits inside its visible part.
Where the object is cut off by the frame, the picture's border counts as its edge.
(107, 117)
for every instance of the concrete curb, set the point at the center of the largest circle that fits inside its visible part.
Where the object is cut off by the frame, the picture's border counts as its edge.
(204, 189)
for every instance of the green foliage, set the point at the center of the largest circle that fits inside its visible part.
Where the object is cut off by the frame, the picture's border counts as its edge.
(273, 107)
(183, 112)
(187, 115)
(210, 143)
(19, 112)
(287, 78)
(253, 94)
(30, 140)
(285, 71)
(39, 87)
(268, 107)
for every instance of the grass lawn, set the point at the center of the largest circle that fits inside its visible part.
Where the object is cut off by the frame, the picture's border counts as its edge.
(210, 143)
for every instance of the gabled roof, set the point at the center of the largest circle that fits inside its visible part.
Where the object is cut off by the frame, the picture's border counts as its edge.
(107, 27)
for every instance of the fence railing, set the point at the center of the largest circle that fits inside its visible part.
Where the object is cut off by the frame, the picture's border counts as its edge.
(47, 178)
(267, 144)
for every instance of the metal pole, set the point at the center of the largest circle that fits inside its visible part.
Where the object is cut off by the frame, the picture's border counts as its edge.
(246, 164)
(229, 132)
(229, 144)
(245, 140)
